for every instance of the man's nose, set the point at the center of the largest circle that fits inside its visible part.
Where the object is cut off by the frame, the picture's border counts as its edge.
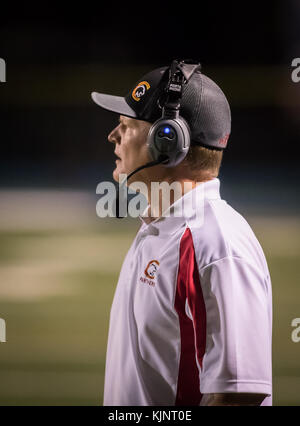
(114, 136)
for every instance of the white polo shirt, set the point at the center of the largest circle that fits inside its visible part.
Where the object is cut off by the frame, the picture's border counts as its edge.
(192, 311)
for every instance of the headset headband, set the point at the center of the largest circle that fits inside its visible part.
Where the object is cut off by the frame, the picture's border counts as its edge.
(179, 74)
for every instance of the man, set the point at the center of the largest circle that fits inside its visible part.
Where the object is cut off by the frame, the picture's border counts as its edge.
(191, 320)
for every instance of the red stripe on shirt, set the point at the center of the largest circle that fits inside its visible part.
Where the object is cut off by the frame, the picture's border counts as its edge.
(192, 333)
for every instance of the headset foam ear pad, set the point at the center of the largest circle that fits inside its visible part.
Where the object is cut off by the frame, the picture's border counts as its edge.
(169, 137)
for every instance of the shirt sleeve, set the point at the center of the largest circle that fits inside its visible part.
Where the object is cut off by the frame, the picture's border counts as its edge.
(237, 355)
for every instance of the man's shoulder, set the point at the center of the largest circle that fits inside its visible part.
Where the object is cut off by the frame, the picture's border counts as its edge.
(224, 232)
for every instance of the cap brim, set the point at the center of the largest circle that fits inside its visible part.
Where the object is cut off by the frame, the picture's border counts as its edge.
(113, 103)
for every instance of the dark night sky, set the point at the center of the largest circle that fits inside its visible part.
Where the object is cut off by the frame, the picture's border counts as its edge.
(229, 32)
(52, 133)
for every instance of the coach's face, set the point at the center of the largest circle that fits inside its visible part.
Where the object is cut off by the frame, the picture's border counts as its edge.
(130, 138)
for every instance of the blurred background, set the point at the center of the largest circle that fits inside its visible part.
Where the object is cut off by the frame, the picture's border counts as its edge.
(59, 262)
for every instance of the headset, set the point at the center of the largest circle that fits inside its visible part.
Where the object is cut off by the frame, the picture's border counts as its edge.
(169, 138)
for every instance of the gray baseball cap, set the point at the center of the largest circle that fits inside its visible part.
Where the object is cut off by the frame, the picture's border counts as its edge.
(203, 105)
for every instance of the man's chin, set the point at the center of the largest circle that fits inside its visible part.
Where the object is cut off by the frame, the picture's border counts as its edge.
(116, 174)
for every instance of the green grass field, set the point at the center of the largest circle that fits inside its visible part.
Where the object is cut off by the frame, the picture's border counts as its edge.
(56, 288)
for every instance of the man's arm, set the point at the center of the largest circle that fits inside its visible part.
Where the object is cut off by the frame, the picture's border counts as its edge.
(236, 367)
(232, 399)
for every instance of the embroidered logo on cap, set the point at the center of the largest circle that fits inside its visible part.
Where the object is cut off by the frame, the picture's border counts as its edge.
(139, 91)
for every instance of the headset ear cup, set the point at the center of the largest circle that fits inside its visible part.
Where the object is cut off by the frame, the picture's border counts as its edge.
(170, 137)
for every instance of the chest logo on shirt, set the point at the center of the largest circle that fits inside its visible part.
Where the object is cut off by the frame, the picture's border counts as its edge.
(150, 272)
